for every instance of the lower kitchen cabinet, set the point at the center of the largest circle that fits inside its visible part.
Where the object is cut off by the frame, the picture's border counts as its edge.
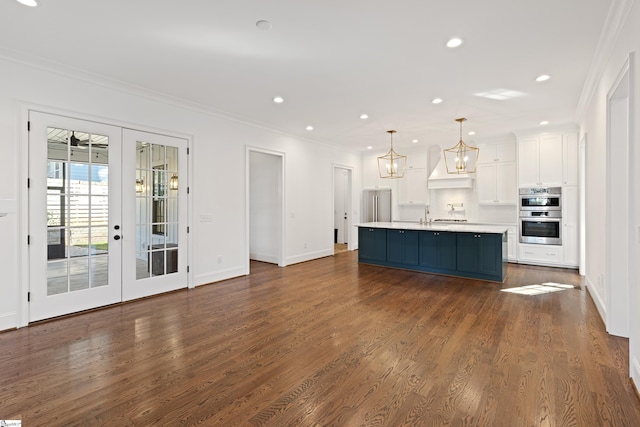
(480, 253)
(438, 250)
(466, 254)
(372, 244)
(402, 246)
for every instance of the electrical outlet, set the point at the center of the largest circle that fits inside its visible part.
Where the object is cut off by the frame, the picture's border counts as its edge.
(305, 245)
(219, 259)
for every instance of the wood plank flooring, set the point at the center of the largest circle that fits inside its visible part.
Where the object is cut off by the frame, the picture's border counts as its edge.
(327, 343)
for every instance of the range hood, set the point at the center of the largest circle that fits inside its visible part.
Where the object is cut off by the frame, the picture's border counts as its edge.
(439, 178)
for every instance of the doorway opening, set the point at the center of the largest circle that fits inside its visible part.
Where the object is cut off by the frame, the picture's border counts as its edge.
(342, 209)
(265, 206)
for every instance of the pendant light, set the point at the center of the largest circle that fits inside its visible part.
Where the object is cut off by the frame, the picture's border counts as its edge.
(392, 164)
(461, 158)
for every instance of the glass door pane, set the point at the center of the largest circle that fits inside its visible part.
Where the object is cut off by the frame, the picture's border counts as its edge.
(156, 211)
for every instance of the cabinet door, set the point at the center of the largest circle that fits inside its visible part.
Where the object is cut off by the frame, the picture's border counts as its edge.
(550, 159)
(438, 250)
(488, 153)
(428, 249)
(402, 246)
(512, 238)
(490, 253)
(395, 246)
(467, 252)
(506, 190)
(528, 161)
(486, 183)
(570, 221)
(447, 251)
(411, 247)
(372, 244)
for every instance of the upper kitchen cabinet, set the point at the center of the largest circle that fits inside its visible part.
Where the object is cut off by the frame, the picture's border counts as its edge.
(496, 173)
(497, 183)
(494, 152)
(540, 160)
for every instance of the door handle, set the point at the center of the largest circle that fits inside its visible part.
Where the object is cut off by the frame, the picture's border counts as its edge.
(116, 237)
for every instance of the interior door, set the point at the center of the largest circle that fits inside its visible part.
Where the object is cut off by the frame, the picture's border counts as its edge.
(154, 229)
(74, 215)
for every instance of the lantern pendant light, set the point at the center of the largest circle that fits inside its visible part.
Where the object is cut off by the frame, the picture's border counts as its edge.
(392, 164)
(461, 158)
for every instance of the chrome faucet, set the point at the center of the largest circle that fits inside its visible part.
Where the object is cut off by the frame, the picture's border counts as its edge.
(427, 220)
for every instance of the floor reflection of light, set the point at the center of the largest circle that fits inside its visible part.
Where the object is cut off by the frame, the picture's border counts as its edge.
(544, 288)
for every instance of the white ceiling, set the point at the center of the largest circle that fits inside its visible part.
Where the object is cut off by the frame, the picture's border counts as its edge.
(331, 60)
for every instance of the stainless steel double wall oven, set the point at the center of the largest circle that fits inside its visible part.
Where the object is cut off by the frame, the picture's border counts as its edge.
(540, 220)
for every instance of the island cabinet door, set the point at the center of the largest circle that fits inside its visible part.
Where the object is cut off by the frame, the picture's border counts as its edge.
(438, 250)
(402, 247)
(372, 244)
(480, 253)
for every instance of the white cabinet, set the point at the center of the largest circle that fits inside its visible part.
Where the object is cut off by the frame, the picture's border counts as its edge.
(540, 254)
(412, 189)
(496, 184)
(570, 159)
(497, 152)
(540, 160)
(570, 220)
(496, 174)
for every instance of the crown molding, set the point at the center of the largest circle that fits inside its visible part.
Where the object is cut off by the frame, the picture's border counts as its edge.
(613, 25)
(107, 82)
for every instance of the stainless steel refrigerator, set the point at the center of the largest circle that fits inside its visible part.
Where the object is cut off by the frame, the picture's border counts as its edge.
(376, 205)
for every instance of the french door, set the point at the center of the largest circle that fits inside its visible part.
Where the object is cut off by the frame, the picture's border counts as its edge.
(105, 215)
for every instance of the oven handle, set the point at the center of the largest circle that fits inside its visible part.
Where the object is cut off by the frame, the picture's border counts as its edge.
(540, 219)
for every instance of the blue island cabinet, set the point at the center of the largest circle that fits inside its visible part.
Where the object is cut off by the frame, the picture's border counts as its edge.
(438, 250)
(480, 254)
(372, 244)
(455, 253)
(403, 247)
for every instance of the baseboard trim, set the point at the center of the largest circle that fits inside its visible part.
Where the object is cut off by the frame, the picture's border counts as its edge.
(309, 256)
(597, 300)
(218, 276)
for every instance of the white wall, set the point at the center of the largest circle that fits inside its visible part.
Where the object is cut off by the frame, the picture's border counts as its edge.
(594, 126)
(219, 176)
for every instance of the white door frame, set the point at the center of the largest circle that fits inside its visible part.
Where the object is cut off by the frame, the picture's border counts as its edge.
(619, 268)
(23, 197)
(349, 201)
(281, 250)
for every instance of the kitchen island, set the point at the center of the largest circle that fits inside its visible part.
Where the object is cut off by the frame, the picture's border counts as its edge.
(468, 250)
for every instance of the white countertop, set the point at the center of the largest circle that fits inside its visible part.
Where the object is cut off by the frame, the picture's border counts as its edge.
(461, 228)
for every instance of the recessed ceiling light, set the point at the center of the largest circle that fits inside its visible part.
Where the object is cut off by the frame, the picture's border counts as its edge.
(364, 116)
(263, 25)
(369, 147)
(543, 77)
(436, 100)
(544, 122)
(309, 128)
(30, 3)
(454, 42)
(415, 141)
(278, 100)
(472, 133)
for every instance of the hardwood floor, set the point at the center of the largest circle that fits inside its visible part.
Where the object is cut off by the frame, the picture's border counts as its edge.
(327, 343)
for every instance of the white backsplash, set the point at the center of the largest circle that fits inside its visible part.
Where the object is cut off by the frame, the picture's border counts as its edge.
(470, 210)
